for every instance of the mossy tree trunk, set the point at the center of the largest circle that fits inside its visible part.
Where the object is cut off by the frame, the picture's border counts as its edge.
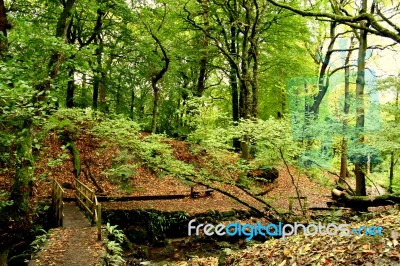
(368, 201)
(70, 144)
(3, 256)
(24, 168)
(346, 109)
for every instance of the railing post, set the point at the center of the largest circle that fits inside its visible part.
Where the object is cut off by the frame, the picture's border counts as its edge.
(57, 202)
(53, 205)
(99, 222)
(93, 207)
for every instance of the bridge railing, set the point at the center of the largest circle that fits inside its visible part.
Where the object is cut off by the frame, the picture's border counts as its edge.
(57, 202)
(87, 201)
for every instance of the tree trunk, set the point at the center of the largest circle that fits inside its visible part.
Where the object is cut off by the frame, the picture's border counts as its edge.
(346, 109)
(254, 80)
(343, 161)
(204, 52)
(57, 58)
(245, 149)
(4, 25)
(154, 80)
(70, 144)
(234, 82)
(105, 72)
(155, 108)
(366, 201)
(245, 113)
(323, 79)
(391, 173)
(118, 99)
(102, 92)
(360, 83)
(24, 168)
(244, 101)
(392, 154)
(95, 97)
(4, 252)
(235, 104)
(132, 103)
(70, 88)
(98, 87)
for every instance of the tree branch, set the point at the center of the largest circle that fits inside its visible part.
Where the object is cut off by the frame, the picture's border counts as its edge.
(351, 21)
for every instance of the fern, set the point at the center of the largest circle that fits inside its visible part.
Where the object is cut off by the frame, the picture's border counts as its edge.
(115, 237)
(39, 241)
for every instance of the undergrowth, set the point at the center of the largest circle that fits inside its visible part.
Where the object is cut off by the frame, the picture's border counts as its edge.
(113, 242)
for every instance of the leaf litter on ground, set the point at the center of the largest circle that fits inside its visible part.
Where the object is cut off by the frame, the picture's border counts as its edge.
(321, 250)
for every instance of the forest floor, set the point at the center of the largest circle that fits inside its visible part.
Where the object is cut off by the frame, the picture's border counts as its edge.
(325, 250)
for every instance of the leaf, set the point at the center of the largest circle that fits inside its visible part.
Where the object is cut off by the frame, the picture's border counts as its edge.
(316, 257)
(282, 263)
(395, 254)
(286, 252)
(366, 246)
(369, 251)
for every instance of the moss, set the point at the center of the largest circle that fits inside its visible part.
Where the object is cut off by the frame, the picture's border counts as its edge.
(76, 158)
(69, 143)
(24, 169)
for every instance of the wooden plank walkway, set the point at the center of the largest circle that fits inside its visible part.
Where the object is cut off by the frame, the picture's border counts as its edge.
(74, 218)
(73, 244)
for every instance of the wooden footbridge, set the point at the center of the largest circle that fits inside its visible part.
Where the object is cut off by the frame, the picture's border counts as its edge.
(77, 240)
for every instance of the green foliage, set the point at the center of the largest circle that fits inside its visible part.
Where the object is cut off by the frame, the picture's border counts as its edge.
(58, 161)
(115, 238)
(121, 172)
(243, 181)
(135, 150)
(66, 121)
(114, 254)
(319, 176)
(114, 234)
(4, 201)
(266, 137)
(39, 241)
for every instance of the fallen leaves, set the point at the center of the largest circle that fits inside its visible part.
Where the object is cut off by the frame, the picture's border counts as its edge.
(328, 250)
(70, 246)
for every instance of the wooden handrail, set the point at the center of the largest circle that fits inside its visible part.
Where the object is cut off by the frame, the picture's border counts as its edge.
(57, 202)
(87, 201)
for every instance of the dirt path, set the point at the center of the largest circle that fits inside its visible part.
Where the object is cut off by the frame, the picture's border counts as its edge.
(74, 244)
